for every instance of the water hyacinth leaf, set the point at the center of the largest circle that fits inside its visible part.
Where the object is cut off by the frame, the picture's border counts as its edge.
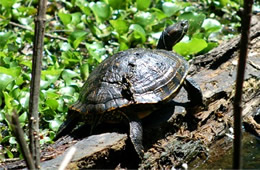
(54, 124)
(144, 18)
(84, 71)
(75, 18)
(64, 46)
(159, 14)
(14, 71)
(84, 6)
(4, 37)
(52, 103)
(7, 4)
(143, 4)
(67, 75)
(96, 51)
(9, 153)
(195, 21)
(67, 91)
(170, 8)
(25, 21)
(116, 4)
(192, 47)
(65, 18)
(23, 118)
(77, 37)
(138, 32)
(101, 10)
(24, 99)
(121, 26)
(4, 81)
(211, 25)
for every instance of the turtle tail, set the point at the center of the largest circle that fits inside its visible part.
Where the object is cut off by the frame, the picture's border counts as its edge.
(67, 126)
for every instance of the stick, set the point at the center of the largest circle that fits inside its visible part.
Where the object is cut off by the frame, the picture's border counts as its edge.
(19, 134)
(67, 158)
(35, 83)
(237, 163)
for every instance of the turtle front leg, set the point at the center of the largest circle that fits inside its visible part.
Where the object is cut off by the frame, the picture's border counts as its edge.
(194, 92)
(136, 136)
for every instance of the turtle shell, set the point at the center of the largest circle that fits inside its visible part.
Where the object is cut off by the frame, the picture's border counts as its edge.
(132, 77)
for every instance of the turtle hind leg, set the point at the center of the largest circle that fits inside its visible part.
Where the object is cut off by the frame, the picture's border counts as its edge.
(136, 136)
(194, 92)
(70, 123)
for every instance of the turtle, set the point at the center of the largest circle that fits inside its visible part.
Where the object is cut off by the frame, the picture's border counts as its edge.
(132, 84)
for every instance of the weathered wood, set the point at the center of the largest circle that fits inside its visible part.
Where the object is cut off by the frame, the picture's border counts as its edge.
(188, 134)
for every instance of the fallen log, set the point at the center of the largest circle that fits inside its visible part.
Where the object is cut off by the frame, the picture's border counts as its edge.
(179, 135)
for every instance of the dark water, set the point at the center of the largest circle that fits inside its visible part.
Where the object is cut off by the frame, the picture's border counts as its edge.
(250, 156)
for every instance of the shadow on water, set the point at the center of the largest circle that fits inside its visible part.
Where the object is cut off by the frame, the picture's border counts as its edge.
(250, 156)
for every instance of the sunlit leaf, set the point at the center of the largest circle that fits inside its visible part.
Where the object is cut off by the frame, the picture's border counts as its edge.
(192, 47)
(144, 18)
(4, 37)
(170, 8)
(65, 18)
(121, 26)
(54, 124)
(77, 37)
(143, 4)
(138, 32)
(101, 10)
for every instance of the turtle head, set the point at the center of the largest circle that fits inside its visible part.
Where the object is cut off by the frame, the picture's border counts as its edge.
(172, 35)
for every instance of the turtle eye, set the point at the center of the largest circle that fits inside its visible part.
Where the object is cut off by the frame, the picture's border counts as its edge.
(183, 23)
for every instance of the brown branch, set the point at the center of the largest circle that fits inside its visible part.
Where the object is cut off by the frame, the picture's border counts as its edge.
(239, 83)
(19, 134)
(35, 83)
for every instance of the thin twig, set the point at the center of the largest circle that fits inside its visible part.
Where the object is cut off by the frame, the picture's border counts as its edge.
(67, 158)
(19, 134)
(246, 19)
(45, 34)
(35, 82)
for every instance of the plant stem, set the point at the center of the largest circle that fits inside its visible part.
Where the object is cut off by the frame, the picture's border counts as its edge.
(246, 19)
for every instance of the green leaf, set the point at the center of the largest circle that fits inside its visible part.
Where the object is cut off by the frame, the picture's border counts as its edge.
(23, 118)
(83, 5)
(138, 32)
(195, 21)
(96, 50)
(12, 140)
(24, 100)
(52, 103)
(192, 47)
(211, 25)
(101, 10)
(14, 71)
(4, 81)
(84, 71)
(116, 4)
(121, 26)
(170, 8)
(54, 124)
(143, 4)
(67, 75)
(144, 18)
(7, 4)
(77, 37)
(67, 91)
(4, 37)
(65, 18)
(9, 153)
